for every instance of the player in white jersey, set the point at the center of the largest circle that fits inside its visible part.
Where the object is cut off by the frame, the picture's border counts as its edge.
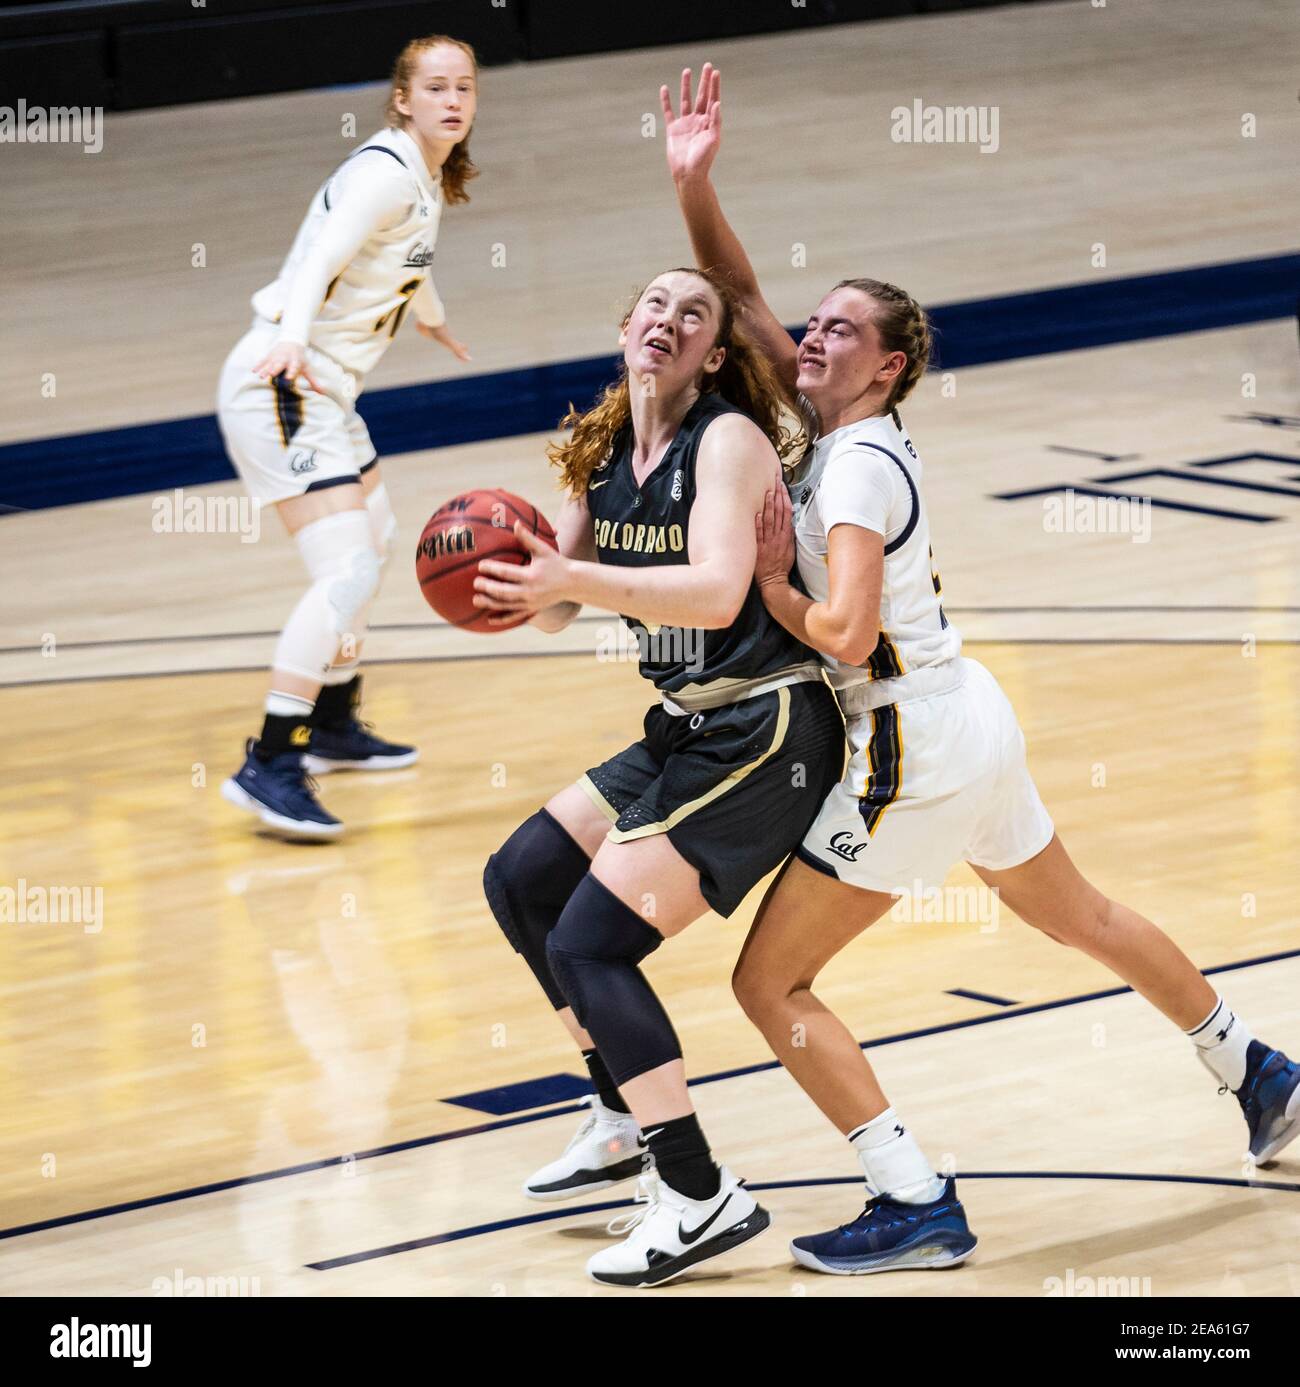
(867, 474)
(287, 409)
(937, 771)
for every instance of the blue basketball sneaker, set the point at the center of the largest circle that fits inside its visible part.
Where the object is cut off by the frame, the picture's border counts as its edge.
(340, 741)
(351, 746)
(889, 1235)
(1270, 1100)
(280, 793)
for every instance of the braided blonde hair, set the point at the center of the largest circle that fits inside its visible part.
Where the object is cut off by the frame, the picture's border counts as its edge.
(904, 326)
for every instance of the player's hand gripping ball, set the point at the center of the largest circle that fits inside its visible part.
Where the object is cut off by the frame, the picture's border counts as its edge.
(477, 525)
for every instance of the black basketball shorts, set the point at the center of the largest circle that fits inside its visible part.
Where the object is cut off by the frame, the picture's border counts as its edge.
(735, 788)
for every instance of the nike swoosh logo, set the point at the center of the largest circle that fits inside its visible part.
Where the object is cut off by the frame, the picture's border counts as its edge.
(596, 485)
(694, 1234)
(645, 1136)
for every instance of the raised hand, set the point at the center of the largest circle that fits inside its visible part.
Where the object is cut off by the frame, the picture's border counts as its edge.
(695, 135)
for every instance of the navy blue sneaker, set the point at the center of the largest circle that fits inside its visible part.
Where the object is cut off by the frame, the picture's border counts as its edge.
(351, 746)
(889, 1235)
(1270, 1100)
(280, 793)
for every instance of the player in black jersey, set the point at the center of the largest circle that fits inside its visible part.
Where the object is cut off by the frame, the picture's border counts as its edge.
(663, 476)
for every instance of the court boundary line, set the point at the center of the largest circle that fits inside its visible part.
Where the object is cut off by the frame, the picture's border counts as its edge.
(437, 1138)
(601, 616)
(527, 1220)
(1231, 641)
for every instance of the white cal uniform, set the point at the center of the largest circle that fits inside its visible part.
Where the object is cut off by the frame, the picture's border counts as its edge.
(937, 770)
(360, 259)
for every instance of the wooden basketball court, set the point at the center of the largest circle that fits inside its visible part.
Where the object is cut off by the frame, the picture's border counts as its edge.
(263, 1061)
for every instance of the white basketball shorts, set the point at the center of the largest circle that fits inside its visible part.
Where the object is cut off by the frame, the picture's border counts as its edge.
(937, 777)
(284, 438)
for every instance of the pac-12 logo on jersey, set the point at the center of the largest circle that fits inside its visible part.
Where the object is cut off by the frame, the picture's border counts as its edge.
(842, 845)
(677, 485)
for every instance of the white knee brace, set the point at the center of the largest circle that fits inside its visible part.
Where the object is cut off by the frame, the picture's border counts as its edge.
(330, 618)
(383, 523)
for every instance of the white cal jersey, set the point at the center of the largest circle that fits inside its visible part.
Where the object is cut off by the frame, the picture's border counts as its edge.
(361, 255)
(868, 473)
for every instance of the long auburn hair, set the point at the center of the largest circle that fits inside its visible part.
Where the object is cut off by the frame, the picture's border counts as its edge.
(745, 379)
(459, 168)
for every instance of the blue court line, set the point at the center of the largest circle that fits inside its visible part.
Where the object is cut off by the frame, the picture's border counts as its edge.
(980, 997)
(1080, 489)
(1092, 453)
(121, 642)
(394, 1148)
(586, 654)
(523, 1096)
(575, 1211)
(39, 473)
(1201, 479)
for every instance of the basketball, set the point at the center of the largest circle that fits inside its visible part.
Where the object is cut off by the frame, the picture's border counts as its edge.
(476, 525)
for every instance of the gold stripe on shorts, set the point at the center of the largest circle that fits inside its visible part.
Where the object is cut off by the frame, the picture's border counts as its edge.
(588, 786)
(727, 783)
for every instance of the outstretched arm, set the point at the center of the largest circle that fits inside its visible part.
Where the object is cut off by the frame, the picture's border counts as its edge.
(431, 320)
(693, 139)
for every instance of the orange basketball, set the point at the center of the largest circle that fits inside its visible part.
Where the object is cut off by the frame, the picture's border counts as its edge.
(477, 525)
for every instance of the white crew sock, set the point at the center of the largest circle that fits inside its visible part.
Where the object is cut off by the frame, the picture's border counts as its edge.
(893, 1162)
(283, 705)
(340, 674)
(1221, 1042)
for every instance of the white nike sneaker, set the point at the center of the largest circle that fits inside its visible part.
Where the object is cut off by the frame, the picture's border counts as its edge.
(673, 1233)
(605, 1150)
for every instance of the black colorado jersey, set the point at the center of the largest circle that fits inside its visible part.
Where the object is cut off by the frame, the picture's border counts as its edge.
(641, 527)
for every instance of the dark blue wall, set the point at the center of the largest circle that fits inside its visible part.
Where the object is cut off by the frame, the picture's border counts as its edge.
(127, 54)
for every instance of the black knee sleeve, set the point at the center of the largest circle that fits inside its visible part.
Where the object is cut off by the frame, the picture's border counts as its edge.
(528, 882)
(593, 953)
